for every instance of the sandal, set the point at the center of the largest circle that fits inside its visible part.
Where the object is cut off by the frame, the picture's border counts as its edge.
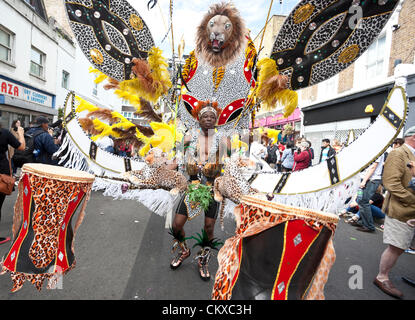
(183, 254)
(203, 261)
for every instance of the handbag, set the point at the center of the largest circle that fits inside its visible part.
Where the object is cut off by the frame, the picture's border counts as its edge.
(7, 181)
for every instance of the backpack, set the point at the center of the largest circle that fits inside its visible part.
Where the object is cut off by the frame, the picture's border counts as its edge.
(26, 156)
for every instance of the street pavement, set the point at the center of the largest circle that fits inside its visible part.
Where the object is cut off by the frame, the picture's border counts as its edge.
(123, 253)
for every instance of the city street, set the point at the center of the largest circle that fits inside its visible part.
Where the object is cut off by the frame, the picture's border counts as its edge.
(123, 253)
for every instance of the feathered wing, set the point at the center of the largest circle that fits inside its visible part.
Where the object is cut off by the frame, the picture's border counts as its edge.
(146, 111)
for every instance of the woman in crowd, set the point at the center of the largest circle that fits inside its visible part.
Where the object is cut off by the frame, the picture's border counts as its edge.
(8, 139)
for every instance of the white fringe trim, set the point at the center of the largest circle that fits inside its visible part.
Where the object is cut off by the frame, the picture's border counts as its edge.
(159, 201)
(331, 200)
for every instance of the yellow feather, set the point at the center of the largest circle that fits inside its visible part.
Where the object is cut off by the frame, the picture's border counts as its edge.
(85, 106)
(288, 99)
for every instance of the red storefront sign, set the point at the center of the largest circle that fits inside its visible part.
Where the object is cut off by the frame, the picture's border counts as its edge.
(278, 119)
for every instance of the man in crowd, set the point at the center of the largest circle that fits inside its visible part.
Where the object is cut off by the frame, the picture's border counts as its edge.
(369, 185)
(399, 207)
(44, 144)
(326, 150)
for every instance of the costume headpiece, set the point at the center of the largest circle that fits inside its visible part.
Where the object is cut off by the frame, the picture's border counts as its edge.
(206, 106)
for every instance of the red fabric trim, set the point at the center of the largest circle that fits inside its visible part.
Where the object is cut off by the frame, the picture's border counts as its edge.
(63, 264)
(11, 259)
(293, 255)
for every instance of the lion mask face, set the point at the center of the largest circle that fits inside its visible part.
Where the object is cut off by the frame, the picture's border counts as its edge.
(220, 30)
(221, 35)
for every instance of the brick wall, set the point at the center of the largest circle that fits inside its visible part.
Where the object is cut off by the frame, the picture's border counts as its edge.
(346, 79)
(403, 40)
(56, 9)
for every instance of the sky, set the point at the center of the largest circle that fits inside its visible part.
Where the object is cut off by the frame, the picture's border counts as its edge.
(188, 14)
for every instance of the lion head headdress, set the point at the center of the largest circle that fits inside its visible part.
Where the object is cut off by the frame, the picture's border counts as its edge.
(221, 35)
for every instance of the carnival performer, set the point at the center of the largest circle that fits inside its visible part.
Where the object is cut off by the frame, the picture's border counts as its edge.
(203, 150)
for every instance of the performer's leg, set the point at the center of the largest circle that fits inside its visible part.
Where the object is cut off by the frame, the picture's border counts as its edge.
(178, 233)
(210, 227)
(205, 252)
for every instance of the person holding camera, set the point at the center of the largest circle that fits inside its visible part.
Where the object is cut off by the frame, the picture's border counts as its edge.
(399, 207)
(14, 131)
(302, 157)
(44, 143)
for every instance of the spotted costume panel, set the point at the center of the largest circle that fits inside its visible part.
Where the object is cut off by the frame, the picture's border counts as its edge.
(110, 34)
(320, 38)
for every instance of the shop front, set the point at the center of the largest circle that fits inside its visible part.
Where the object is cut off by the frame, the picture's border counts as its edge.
(19, 101)
(277, 121)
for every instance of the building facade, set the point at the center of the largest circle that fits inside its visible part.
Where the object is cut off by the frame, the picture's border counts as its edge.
(41, 62)
(28, 62)
(350, 101)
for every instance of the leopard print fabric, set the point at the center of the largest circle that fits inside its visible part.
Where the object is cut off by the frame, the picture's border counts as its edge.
(232, 184)
(158, 178)
(51, 199)
(155, 175)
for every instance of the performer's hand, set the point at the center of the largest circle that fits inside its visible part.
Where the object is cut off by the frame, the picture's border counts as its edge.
(412, 163)
(20, 131)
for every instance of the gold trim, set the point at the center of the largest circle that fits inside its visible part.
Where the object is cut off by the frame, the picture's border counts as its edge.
(378, 155)
(301, 259)
(303, 13)
(96, 56)
(349, 54)
(282, 258)
(136, 22)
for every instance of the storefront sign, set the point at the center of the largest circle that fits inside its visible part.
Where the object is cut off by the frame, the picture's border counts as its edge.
(278, 119)
(24, 93)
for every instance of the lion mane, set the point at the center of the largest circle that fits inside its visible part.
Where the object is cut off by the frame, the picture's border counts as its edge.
(235, 43)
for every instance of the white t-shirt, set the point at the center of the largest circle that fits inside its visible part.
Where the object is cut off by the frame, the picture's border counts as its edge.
(377, 175)
(258, 150)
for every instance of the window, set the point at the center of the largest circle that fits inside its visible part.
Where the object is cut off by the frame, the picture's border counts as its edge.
(6, 39)
(38, 7)
(95, 89)
(375, 58)
(65, 79)
(37, 62)
(328, 88)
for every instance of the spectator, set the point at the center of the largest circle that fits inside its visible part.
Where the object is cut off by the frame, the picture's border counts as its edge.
(302, 157)
(44, 143)
(106, 143)
(14, 130)
(376, 202)
(310, 150)
(273, 154)
(258, 150)
(398, 142)
(399, 207)
(326, 150)
(369, 184)
(6, 140)
(287, 159)
(337, 146)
